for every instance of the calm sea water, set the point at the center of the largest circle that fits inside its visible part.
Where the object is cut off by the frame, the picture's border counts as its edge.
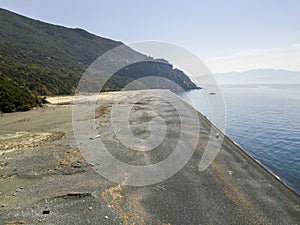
(265, 121)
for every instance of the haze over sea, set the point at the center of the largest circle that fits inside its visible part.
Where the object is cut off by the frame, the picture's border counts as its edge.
(264, 119)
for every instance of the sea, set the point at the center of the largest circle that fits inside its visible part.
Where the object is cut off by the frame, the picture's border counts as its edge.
(263, 119)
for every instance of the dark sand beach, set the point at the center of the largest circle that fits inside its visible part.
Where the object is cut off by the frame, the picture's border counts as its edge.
(44, 179)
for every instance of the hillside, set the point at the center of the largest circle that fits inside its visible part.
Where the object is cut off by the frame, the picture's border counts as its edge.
(16, 98)
(50, 59)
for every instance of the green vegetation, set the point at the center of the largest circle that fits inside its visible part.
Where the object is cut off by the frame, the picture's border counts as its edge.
(47, 59)
(175, 79)
(16, 98)
(50, 60)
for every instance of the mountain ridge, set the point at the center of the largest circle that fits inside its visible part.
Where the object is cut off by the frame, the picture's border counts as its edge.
(50, 59)
(55, 55)
(260, 76)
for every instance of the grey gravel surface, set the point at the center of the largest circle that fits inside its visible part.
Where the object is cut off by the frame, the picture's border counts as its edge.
(45, 180)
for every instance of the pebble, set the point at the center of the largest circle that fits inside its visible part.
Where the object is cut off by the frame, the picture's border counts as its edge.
(90, 208)
(106, 217)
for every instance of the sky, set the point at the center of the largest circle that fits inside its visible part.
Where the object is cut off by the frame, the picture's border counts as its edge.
(227, 35)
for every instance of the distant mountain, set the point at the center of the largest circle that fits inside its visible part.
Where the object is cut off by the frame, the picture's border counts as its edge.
(259, 76)
(49, 59)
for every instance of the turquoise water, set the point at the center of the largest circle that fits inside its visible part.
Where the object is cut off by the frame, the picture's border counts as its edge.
(265, 121)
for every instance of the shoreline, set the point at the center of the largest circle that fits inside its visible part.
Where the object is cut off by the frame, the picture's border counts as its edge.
(53, 176)
(283, 179)
(254, 159)
(63, 100)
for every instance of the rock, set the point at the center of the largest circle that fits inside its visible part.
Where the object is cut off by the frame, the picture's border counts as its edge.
(90, 208)
(19, 189)
(97, 136)
(106, 217)
(2, 164)
(46, 212)
(78, 165)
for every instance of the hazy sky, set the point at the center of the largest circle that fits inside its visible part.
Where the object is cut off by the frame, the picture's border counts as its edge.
(228, 35)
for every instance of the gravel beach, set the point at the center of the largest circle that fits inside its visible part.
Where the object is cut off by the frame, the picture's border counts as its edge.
(44, 178)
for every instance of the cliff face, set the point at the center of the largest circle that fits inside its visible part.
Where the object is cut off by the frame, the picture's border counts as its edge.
(50, 59)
